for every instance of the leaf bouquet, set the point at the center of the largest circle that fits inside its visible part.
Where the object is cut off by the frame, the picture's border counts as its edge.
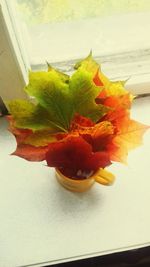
(79, 124)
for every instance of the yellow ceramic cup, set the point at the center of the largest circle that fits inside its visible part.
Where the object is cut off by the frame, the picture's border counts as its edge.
(101, 176)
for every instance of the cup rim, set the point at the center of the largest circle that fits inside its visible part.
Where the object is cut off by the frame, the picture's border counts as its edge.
(74, 179)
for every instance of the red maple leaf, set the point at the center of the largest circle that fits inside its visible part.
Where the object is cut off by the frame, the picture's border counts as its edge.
(26, 151)
(31, 153)
(97, 79)
(75, 156)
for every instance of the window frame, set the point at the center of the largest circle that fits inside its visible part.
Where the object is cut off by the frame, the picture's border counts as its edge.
(13, 68)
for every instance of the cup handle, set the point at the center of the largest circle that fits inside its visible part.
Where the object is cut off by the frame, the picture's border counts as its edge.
(104, 177)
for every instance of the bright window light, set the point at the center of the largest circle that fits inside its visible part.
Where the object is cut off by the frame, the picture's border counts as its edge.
(59, 30)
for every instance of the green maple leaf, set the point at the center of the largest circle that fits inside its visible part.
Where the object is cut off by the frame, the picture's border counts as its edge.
(52, 93)
(88, 64)
(63, 76)
(58, 98)
(29, 116)
(84, 92)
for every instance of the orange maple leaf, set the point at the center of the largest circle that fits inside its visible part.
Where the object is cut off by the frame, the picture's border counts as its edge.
(129, 137)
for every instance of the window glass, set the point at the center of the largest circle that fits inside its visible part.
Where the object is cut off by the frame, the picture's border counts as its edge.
(58, 30)
(44, 11)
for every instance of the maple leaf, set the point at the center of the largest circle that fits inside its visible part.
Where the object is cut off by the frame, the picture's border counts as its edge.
(80, 121)
(84, 93)
(20, 134)
(59, 98)
(29, 116)
(90, 65)
(63, 76)
(40, 138)
(74, 155)
(112, 88)
(29, 142)
(77, 123)
(97, 136)
(52, 93)
(31, 153)
(119, 110)
(121, 101)
(129, 137)
(97, 79)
